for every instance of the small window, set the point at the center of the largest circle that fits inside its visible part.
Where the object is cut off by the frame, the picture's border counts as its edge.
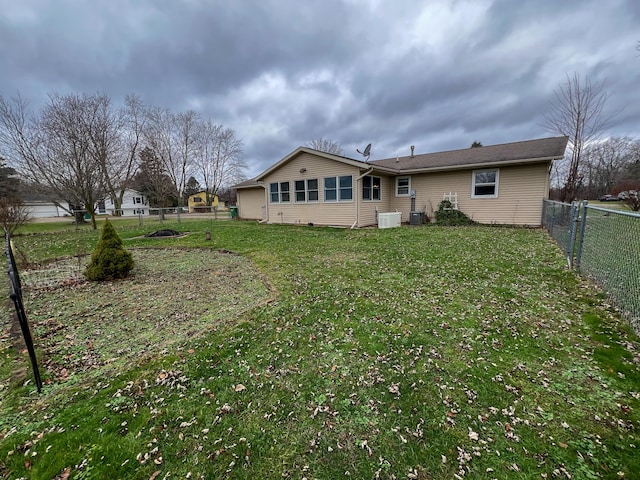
(371, 187)
(485, 183)
(279, 192)
(403, 186)
(197, 199)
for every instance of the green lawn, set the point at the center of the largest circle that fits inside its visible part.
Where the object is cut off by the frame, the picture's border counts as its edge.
(420, 353)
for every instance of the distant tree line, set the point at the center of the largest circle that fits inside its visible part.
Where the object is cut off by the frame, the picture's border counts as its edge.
(609, 166)
(595, 164)
(80, 149)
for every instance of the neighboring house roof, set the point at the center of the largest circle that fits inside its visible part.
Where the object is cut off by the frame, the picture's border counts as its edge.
(528, 151)
(247, 184)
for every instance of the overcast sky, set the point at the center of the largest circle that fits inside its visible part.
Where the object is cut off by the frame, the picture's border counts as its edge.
(434, 74)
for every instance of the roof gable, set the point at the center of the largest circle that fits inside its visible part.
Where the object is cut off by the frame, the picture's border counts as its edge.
(300, 150)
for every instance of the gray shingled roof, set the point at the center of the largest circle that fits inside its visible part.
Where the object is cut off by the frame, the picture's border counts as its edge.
(246, 184)
(529, 150)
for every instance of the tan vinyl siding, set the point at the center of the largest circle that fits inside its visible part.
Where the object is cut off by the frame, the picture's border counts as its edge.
(320, 212)
(520, 193)
(250, 203)
(368, 208)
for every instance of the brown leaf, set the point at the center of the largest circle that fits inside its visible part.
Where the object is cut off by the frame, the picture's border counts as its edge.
(64, 475)
(154, 475)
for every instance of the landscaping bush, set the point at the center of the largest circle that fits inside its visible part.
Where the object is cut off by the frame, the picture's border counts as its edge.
(109, 260)
(447, 215)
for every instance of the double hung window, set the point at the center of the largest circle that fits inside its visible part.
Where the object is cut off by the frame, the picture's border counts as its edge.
(338, 189)
(371, 187)
(279, 192)
(306, 190)
(485, 183)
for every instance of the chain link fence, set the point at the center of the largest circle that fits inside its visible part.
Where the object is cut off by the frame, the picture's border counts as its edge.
(604, 244)
(560, 221)
(149, 216)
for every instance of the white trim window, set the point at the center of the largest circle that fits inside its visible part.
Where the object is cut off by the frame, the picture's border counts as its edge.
(371, 187)
(338, 189)
(403, 186)
(306, 190)
(279, 192)
(484, 183)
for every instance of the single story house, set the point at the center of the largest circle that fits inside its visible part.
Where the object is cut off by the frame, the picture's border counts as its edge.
(134, 203)
(40, 206)
(501, 184)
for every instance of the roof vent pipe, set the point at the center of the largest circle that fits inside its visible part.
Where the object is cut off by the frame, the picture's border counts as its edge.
(412, 149)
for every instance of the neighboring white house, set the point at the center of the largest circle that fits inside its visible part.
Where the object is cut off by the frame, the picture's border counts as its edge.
(134, 203)
(42, 208)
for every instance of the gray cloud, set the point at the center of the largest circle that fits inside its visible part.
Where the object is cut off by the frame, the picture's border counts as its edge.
(281, 73)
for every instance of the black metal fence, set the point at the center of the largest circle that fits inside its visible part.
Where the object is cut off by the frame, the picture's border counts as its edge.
(15, 294)
(604, 244)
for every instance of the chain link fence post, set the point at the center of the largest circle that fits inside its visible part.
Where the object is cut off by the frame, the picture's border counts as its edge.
(583, 226)
(571, 238)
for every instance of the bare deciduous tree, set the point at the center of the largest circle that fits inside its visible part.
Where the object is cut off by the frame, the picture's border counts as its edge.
(218, 158)
(578, 113)
(53, 150)
(326, 145)
(72, 150)
(605, 164)
(171, 137)
(73, 133)
(123, 166)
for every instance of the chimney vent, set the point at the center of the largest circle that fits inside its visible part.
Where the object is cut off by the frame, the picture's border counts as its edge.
(412, 149)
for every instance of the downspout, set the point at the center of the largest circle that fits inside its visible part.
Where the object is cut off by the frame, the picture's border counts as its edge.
(356, 198)
(266, 203)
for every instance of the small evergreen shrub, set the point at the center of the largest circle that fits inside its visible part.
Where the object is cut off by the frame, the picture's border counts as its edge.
(109, 260)
(447, 215)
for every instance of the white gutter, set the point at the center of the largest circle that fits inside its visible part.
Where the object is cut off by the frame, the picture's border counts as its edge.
(356, 195)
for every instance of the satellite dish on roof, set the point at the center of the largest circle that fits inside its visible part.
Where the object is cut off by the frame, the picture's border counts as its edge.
(366, 153)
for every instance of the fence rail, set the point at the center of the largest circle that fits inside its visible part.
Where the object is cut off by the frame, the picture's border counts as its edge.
(603, 244)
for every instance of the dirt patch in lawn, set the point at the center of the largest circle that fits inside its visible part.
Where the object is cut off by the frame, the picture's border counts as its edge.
(172, 295)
